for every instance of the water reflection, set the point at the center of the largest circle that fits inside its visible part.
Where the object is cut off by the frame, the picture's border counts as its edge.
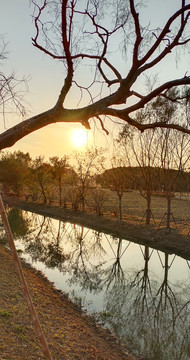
(151, 318)
(143, 295)
(19, 223)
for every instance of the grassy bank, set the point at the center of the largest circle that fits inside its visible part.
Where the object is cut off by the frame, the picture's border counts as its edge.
(177, 240)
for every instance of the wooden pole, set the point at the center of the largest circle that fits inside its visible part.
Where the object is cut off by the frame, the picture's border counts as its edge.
(37, 326)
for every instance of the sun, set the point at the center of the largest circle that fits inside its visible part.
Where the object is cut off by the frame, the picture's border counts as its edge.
(79, 138)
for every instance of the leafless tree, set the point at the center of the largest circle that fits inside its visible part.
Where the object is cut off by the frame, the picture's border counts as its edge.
(98, 198)
(86, 166)
(157, 158)
(81, 33)
(12, 89)
(41, 175)
(174, 155)
(59, 167)
(116, 179)
(140, 153)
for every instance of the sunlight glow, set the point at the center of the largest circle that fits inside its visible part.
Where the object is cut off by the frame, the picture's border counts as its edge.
(79, 137)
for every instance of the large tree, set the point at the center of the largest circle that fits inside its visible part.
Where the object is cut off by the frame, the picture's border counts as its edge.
(117, 179)
(116, 46)
(86, 167)
(59, 167)
(173, 156)
(14, 171)
(140, 153)
(41, 175)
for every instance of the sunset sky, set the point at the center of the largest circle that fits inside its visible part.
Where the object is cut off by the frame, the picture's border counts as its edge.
(47, 76)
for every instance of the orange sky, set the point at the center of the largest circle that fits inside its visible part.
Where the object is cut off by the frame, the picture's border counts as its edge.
(46, 79)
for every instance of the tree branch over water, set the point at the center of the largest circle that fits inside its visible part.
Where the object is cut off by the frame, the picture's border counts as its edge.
(91, 34)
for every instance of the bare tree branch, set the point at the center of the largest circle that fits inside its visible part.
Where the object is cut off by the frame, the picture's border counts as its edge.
(12, 89)
(90, 32)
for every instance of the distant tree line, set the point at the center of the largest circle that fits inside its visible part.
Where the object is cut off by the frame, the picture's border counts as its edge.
(154, 164)
(50, 181)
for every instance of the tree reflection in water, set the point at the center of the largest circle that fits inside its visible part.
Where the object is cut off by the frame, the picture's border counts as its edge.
(42, 242)
(150, 319)
(114, 274)
(84, 247)
(171, 319)
(19, 222)
(149, 314)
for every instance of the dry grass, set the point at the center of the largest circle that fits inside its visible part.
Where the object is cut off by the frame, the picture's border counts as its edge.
(134, 207)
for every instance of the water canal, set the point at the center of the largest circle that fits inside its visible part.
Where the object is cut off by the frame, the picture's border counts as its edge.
(140, 294)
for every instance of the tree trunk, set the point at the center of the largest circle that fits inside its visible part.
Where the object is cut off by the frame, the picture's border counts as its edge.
(58, 234)
(83, 202)
(148, 209)
(60, 193)
(146, 258)
(119, 248)
(120, 208)
(166, 274)
(44, 195)
(168, 212)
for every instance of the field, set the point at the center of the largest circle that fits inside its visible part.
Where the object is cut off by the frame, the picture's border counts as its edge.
(134, 207)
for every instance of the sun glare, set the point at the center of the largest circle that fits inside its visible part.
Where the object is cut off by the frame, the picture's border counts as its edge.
(79, 138)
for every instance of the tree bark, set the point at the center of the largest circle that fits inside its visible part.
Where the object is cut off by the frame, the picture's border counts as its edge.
(60, 192)
(120, 208)
(168, 212)
(148, 210)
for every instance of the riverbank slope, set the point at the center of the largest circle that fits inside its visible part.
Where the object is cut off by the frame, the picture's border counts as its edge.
(159, 238)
